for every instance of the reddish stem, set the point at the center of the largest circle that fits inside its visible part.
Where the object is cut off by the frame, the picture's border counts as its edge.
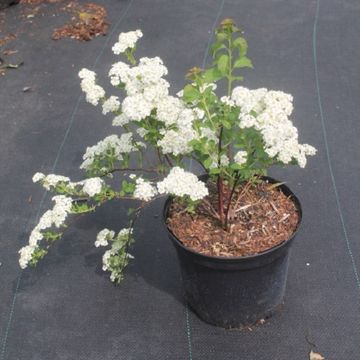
(220, 189)
(168, 160)
(229, 204)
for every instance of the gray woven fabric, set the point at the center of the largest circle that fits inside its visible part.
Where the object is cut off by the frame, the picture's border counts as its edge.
(66, 308)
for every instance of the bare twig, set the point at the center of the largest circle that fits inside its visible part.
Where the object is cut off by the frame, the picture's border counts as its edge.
(150, 170)
(211, 209)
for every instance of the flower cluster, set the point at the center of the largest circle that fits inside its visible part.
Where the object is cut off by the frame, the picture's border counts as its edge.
(126, 41)
(51, 218)
(182, 183)
(90, 187)
(103, 237)
(112, 104)
(94, 93)
(268, 112)
(117, 257)
(113, 146)
(144, 190)
(49, 181)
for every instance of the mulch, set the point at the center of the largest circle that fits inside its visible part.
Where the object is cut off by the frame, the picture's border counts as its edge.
(263, 218)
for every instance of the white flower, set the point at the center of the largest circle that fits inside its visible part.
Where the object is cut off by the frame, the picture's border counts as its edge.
(150, 70)
(224, 160)
(93, 91)
(106, 259)
(268, 112)
(176, 142)
(240, 157)
(35, 236)
(119, 73)
(136, 107)
(180, 93)
(126, 41)
(25, 255)
(124, 144)
(103, 237)
(182, 183)
(144, 190)
(60, 210)
(141, 132)
(38, 177)
(213, 86)
(52, 180)
(227, 100)
(54, 217)
(141, 78)
(198, 113)
(209, 134)
(176, 139)
(125, 232)
(153, 93)
(168, 110)
(87, 74)
(92, 186)
(120, 120)
(45, 222)
(112, 104)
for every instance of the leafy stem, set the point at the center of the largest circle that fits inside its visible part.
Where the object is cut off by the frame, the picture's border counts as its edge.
(230, 79)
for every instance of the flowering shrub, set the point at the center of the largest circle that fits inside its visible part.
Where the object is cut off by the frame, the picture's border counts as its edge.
(235, 138)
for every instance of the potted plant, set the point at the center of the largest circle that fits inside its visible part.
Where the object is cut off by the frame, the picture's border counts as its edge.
(232, 226)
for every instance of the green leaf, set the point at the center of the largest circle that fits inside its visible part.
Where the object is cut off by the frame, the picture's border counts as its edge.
(216, 47)
(212, 75)
(223, 63)
(236, 166)
(190, 93)
(214, 171)
(240, 78)
(242, 45)
(208, 162)
(243, 62)
(220, 36)
(226, 123)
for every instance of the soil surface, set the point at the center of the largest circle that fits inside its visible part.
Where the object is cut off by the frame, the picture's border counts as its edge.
(262, 218)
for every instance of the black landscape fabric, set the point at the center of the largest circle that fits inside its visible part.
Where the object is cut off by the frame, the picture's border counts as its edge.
(67, 308)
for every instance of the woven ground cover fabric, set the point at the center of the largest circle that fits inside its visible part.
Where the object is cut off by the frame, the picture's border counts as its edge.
(67, 308)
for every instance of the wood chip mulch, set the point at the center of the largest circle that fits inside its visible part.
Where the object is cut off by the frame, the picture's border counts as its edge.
(264, 218)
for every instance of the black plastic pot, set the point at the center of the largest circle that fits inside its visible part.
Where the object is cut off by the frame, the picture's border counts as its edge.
(239, 291)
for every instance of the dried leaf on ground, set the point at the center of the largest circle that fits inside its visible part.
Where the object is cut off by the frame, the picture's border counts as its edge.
(9, 52)
(12, 66)
(38, 2)
(88, 21)
(4, 65)
(315, 356)
(6, 39)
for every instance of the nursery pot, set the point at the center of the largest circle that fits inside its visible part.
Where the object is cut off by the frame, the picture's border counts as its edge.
(237, 291)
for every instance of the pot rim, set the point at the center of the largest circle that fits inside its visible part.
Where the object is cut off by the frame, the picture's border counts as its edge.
(233, 259)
